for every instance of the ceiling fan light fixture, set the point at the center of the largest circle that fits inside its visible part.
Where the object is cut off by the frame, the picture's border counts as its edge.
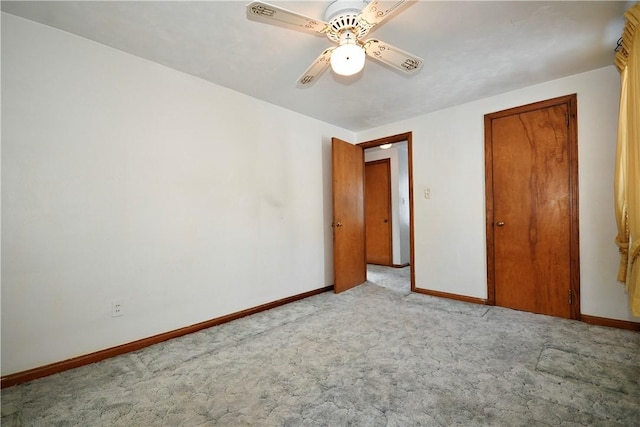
(348, 58)
(347, 23)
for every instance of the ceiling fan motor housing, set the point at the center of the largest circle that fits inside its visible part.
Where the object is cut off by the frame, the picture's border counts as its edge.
(342, 15)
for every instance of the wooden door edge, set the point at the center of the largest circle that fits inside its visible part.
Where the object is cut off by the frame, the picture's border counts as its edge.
(490, 245)
(574, 244)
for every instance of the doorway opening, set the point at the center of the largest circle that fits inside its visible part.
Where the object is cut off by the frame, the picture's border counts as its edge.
(349, 235)
(389, 212)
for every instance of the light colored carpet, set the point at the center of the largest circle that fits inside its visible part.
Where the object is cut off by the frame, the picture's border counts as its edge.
(370, 356)
(397, 279)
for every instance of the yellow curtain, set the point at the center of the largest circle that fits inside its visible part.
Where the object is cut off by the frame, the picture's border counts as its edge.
(627, 175)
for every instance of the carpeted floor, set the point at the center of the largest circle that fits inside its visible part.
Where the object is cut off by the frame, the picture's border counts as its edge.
(370, 356)
(397, 279)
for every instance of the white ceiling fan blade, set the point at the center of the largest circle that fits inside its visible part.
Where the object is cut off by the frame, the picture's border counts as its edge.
(391, 55)
(268, 11)
(376, 12)
(313, 72)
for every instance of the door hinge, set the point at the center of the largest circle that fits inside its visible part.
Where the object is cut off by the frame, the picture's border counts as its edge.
(566, 118)
(570, 297)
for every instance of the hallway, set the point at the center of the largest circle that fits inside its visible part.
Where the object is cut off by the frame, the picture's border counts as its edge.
(396, 279)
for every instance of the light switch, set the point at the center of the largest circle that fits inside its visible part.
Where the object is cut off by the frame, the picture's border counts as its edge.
(427, 193)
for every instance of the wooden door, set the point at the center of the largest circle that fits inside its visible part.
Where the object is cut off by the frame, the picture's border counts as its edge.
(377, 208)
(350, 267)
(532, 209)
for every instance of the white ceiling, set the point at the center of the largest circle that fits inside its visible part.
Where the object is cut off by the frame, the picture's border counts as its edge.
(472, 50)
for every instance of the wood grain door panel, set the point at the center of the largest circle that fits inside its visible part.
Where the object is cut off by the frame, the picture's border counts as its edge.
(378, 212)
(532, 209)
(350, 268)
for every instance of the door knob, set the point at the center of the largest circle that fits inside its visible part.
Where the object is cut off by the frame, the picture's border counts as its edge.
(500, 223)
(338, 224)
(386, 220)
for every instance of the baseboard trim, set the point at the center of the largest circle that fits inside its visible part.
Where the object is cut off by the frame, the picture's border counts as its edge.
(612, 323)
(592, 320)
(450, 296)
(390, 265)
(76, 362)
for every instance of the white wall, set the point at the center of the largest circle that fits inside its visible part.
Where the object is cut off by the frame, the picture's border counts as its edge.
(448, 157)
(403, 209)
(125, 180)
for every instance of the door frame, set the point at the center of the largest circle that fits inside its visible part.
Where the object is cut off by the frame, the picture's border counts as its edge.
(574, 243)
(407, 136)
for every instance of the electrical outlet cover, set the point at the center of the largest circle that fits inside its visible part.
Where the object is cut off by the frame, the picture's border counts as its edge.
(117, 308)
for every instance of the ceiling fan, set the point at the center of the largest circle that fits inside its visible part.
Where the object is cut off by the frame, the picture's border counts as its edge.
(347, 23)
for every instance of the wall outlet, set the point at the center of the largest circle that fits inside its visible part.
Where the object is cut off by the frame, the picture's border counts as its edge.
(117, 308)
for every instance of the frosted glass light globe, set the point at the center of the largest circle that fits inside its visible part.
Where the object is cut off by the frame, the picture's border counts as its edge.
(347, 59)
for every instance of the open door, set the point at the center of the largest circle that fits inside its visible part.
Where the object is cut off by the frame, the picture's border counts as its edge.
(349, 258)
